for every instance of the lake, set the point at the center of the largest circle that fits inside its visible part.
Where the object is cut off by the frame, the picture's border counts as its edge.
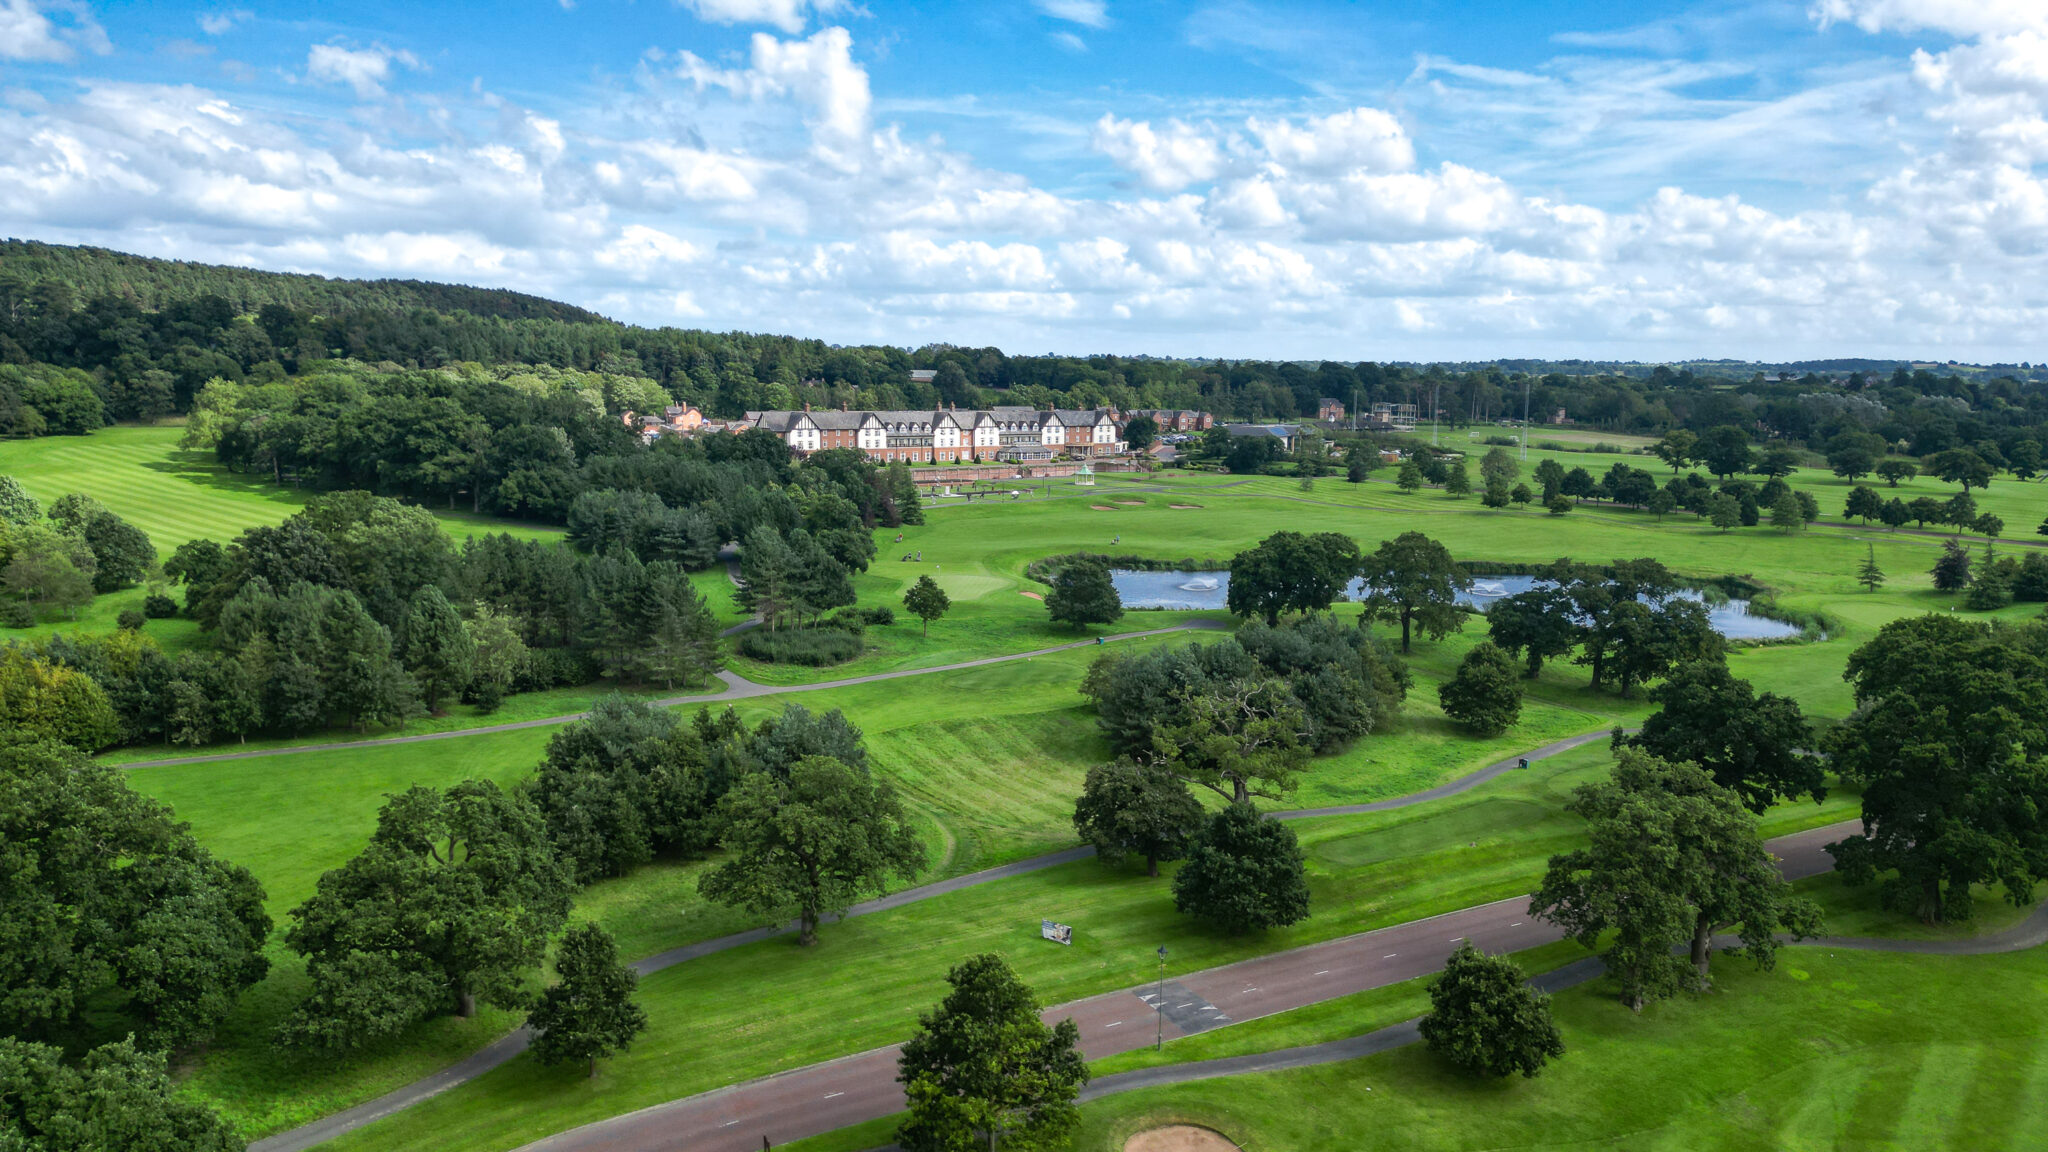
(1196, 590)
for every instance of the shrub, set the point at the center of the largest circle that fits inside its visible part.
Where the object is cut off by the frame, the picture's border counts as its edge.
(553, 668)
(130, 620)
(1485, 1020)
(811, 647)
(17, 614)
(1245, 874)
(158, 606)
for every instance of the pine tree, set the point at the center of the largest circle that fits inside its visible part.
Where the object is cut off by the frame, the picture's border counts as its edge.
(1869, 574)
(589, 1013)
(1952, 570)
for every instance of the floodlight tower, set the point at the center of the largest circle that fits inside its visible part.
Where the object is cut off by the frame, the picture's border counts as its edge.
(1435, 410)
(1525, 418)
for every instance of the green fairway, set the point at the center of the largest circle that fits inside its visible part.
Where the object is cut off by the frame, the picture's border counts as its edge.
(859, 988)
(1836, 1049)
(989, 760)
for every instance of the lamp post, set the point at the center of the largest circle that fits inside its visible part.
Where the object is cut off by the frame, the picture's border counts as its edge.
(1159, 1005)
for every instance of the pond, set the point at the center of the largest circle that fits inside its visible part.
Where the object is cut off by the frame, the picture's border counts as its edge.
(1197, 590)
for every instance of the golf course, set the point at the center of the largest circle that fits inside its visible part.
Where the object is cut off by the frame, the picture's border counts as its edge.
(981, 728)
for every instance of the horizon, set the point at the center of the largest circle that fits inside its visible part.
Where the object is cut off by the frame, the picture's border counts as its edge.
(1767, 183)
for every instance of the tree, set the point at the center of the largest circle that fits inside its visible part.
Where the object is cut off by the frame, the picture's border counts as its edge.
(438, 650)
(1960, 510)
(1960, 466)
(1636, 643)
(1126, 807)
(116, 1097)
(1557, 505)
(1485, 1019)
(1498, 466)
(1456, 481)
(1291, 572)
(1947, 745)
(1989, 524)
(1925, 510)
(17, 507)
(1409, 478)
(40, 700)
(1785, 514)
(1895, 514)
(589, 1012)
(1863, 503)
(1141, 433)
(49, 569)
(110, 903)
(1723, 512)
(927, 601)
(1852, 454)
(1082, 593)
(1662, 503)
(1894, 470)
(1778, 459)
(1536, 625)
(1413, 579)
(1485, 695)
(983, 1071)
(1724, 451)
(451, 902)
(1672, 857)
(1249, 454)
(1239, 737)
(624, 785)
(2024, 460)
(1578, 484)
(1952, 568)
(1550, 477)
(1755, 746)
(813, 842)
(122, 555)
(1244, 873)
(1676, 448)
(1869, 574)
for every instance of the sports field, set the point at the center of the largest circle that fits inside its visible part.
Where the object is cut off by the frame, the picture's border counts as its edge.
(989, 760)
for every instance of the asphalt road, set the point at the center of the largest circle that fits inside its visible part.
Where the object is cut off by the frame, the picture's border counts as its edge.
(824, 1097)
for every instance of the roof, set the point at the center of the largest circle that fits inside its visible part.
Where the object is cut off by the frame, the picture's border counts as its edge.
(1281, 431)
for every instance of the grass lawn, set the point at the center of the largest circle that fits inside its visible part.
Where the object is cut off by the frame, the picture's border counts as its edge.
(989, 760)
(1836, 1049)
(862, 986)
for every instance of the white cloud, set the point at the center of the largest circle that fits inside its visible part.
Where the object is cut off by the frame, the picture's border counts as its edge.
(1087, 13)
(788, 15)
(28, 30)
(1955, 17)
(818, 72)
(1361, 139)
(220, 23)
(1069, 41)
(1164, 160)
(366, 70)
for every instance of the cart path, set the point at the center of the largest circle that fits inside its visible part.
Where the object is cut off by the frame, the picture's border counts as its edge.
(824, 1097)
(506, 1047)
(737, 687)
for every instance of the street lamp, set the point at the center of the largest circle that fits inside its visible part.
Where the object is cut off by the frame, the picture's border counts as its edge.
(1159, 1006)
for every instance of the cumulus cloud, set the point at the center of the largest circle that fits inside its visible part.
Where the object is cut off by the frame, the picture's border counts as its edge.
(1955, 17)
(759, 193)
(366, 70)
(788, 15)
(49, 30)
(819, 73)
(1165, 159)
(1362, 138)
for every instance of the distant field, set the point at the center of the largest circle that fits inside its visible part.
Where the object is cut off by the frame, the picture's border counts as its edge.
(175, 495)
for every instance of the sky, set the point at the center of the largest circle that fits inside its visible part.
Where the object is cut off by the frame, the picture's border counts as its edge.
(1412, 180)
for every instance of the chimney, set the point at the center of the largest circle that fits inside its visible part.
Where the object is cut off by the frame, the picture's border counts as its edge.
(807, 407)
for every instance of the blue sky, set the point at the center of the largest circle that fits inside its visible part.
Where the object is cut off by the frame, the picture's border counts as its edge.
(1296, 178)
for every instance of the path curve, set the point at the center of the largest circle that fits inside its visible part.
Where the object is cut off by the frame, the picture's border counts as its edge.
(737, 687)
(820, 1098)
(511, 1045)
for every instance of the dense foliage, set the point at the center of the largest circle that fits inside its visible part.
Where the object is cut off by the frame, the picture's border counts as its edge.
(983, 1071)
(116, 1097)
(1244, 873)
(1484, 1017)
(106, 901)
(1242, 715)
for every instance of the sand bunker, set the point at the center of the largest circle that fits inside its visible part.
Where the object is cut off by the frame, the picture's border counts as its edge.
(1180, 1138)
(1033, 595)
(1102, 507)
(1132, 503)
(1184, 507)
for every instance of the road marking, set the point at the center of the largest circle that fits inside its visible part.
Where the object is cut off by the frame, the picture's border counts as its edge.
(1390, 955)
(728, 1124)
(1112, 1024)
(830, 1095)
(1324, 972)
(1516, 924)
(1455, 939)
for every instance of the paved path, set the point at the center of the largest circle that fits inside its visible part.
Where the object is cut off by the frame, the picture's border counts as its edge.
(737, 687)
(824, 1097)
(509, 1046)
